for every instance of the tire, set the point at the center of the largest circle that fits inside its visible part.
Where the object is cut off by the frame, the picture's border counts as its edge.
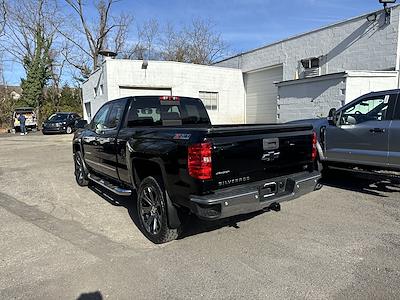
(68, 130)
(80, 174)
(152, 211)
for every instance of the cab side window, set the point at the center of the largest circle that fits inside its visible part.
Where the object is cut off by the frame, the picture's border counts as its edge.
(369, 109)
(99, 121)
(115, 116)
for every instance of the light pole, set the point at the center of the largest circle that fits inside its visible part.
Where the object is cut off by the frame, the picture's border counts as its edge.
(387, 10)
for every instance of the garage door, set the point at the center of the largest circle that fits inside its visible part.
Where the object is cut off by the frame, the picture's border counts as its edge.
(139, 91)
(261, 95)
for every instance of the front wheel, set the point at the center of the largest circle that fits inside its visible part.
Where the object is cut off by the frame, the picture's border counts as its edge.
(69, 130)
(80, 174)
(152, 210)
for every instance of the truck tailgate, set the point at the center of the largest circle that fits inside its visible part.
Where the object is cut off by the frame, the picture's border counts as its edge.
(256, 152)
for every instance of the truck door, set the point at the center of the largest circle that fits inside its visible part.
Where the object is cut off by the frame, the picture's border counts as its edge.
(394, 140)
(362, 132)
(106, 139)
(90, 140)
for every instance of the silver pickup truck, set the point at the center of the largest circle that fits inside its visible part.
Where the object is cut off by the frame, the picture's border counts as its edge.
(362, 136)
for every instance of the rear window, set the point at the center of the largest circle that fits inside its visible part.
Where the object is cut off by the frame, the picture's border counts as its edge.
(57, 117)
(151, 111)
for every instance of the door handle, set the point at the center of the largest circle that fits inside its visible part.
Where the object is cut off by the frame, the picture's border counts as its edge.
(377, 130)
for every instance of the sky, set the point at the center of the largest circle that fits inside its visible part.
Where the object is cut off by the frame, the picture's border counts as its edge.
(243, 24)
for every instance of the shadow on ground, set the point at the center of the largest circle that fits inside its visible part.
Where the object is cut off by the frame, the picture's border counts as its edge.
(197, 226)
(358, 183)
(379, 188)
(90, 296)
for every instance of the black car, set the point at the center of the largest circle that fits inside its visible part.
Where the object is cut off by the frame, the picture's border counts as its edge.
(166, 149)
(61, 122)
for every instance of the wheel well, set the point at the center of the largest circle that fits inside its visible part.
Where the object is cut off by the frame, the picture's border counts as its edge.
(145, 168)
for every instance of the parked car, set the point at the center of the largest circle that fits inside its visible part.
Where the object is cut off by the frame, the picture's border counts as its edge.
(61, 122)
(30, 115)
(362, 136)
(166, 149)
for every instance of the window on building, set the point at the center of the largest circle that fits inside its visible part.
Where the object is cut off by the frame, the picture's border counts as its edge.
(101, 90)
(95, 91)
(310, 67)
(88, 110)
(210, 100)
(310, 63)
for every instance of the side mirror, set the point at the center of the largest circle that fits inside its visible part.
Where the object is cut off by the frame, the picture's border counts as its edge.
(332, 117)
(81, 124)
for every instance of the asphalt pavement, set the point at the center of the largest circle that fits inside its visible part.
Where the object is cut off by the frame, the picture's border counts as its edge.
(62, 241)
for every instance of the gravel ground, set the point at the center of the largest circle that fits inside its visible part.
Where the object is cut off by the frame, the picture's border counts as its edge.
(58, 240)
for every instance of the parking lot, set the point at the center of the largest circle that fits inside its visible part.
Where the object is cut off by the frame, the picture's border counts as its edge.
(58, 240)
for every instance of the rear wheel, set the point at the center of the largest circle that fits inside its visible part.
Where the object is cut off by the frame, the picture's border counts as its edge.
(152, 210)
(80, 174)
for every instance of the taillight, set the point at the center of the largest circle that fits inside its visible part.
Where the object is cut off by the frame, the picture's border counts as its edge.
(314, 146)
(199, 161)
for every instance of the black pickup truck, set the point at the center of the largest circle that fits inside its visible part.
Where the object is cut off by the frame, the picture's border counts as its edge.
(166, 150)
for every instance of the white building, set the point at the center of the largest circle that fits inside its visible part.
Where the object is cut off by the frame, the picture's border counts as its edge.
(299, 77)
(221, 89)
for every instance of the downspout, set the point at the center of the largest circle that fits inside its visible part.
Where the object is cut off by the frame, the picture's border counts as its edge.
(398, 51)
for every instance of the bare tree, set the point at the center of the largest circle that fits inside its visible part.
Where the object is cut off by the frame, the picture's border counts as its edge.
(3, 16)
(174, 45)
(29, 39)
(206, 46)
(98, 35)
(21, 29)
(196, 43)
(146, 42)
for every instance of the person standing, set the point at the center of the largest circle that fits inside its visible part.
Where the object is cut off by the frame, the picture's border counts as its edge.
(22, 120)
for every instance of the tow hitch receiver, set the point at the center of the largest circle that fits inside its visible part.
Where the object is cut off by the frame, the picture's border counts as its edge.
(267, 190)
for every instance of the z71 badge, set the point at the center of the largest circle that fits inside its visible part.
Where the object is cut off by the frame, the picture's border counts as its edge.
(182, 136)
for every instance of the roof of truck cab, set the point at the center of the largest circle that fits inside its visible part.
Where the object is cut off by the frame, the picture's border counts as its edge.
(394, 91)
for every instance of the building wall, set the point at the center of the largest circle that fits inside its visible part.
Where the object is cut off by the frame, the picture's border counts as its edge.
(352, 45)
(95, 80)
(184, 80)
(314, 97)
(360, 83)
(310, 98)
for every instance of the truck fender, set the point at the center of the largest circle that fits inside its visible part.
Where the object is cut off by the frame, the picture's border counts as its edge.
(172, 212)
(321, 154)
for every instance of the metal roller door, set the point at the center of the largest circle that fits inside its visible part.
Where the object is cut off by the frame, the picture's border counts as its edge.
(261, 95)
(141, 91)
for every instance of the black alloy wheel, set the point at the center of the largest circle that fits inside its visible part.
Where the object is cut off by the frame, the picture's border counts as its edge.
(152, 211)
(80, 174)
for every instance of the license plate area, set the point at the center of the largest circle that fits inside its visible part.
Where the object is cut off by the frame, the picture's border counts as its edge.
(268, 190)
(270, 144)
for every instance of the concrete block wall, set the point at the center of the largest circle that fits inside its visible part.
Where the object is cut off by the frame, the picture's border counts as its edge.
(310, 98)
(314, 97)
(351, 45)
